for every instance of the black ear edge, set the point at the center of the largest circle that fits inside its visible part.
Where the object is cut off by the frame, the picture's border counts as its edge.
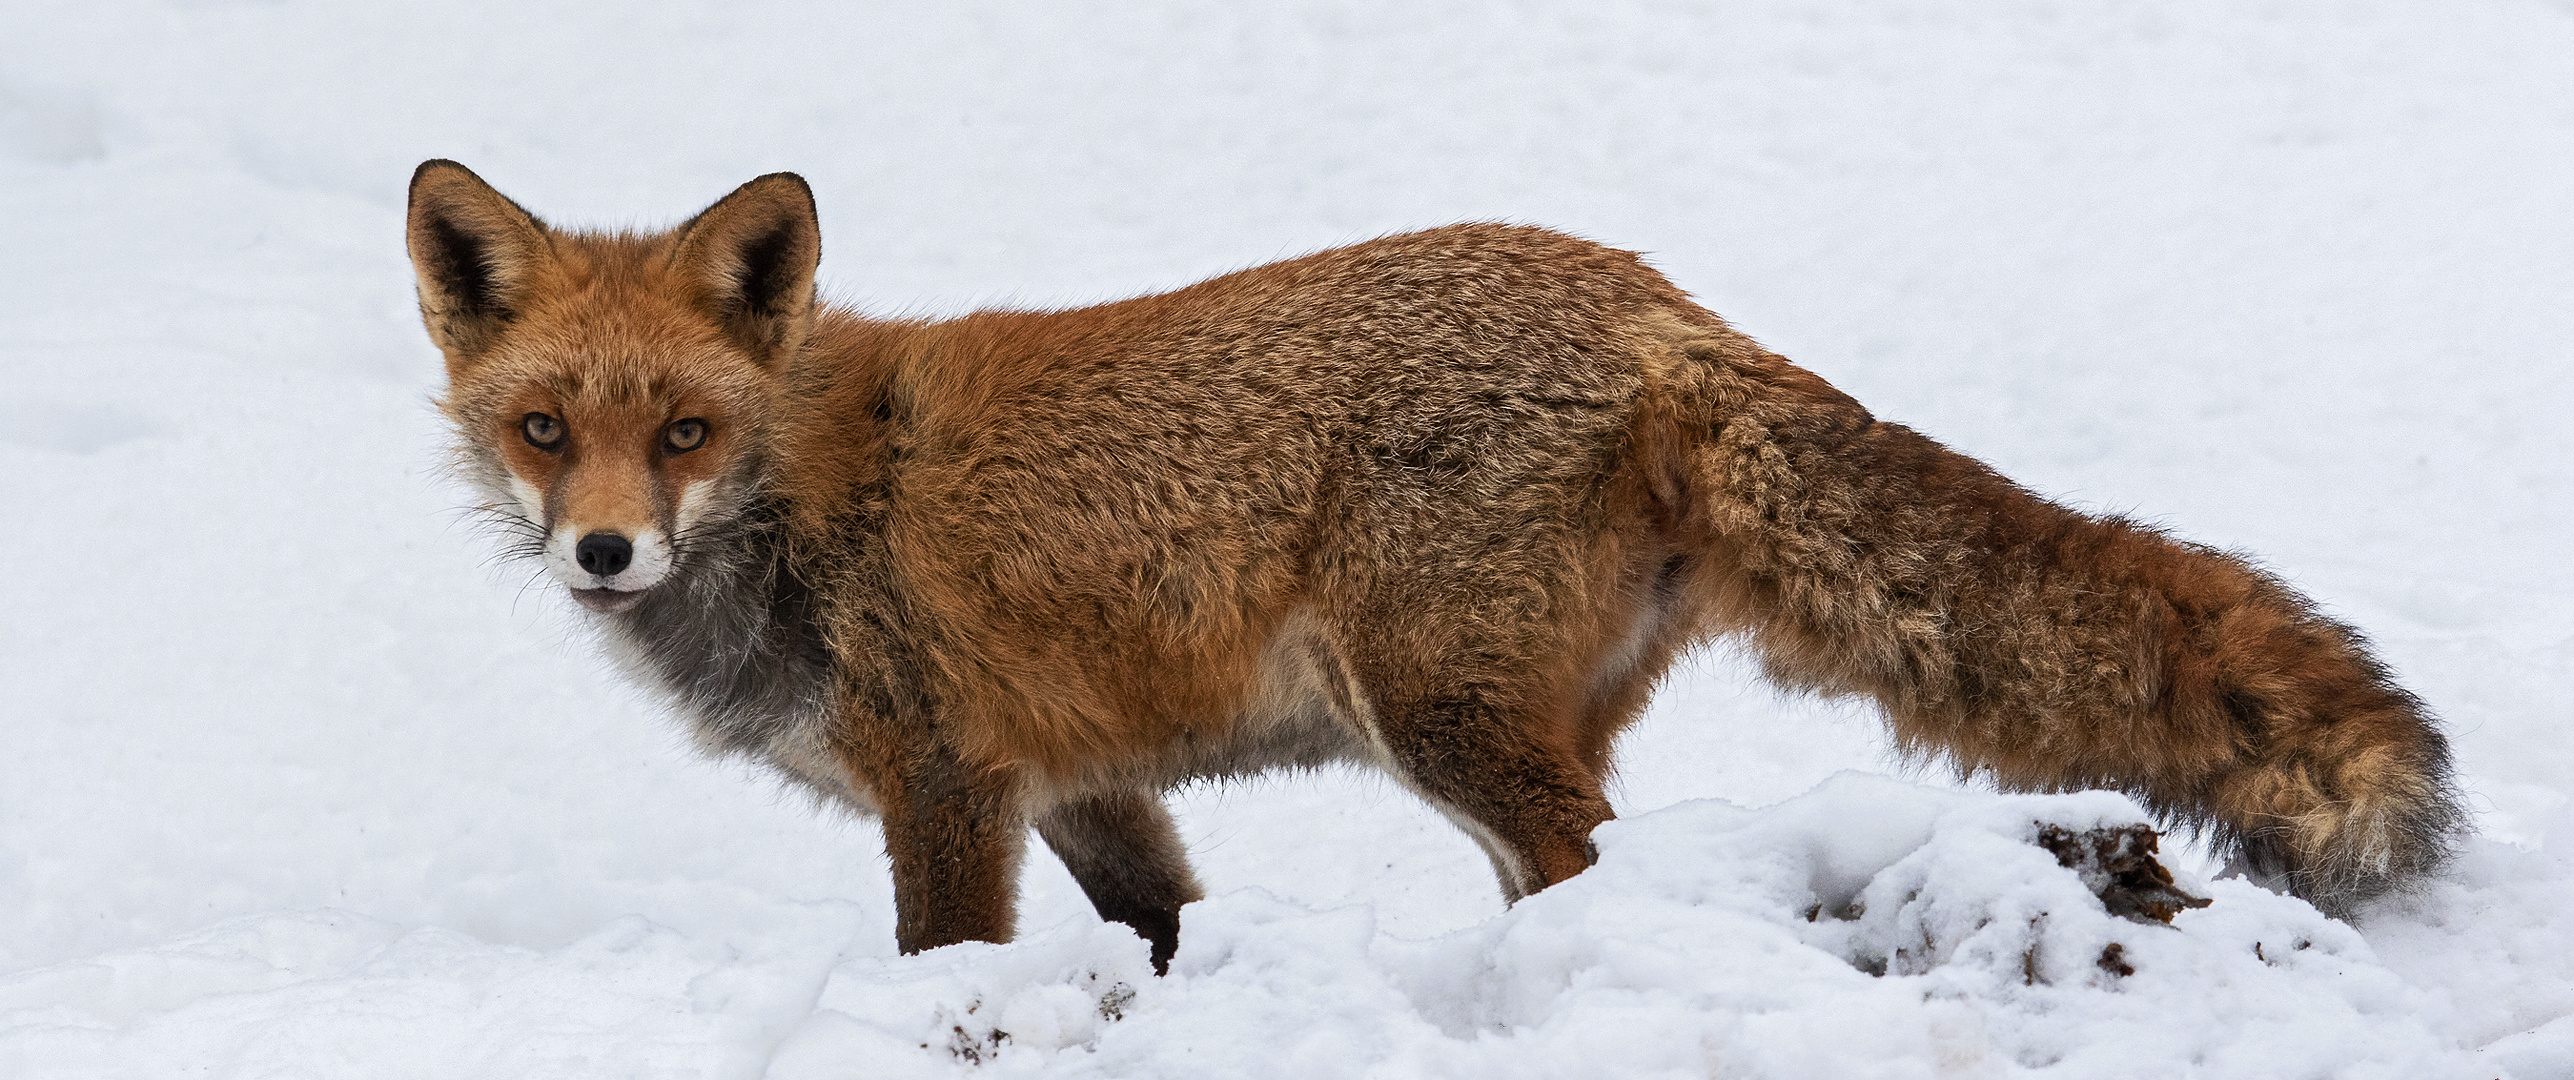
(483, 190)
(437, 164)
(794, 178)
(687, 230)
(765, 251)
(466, 241)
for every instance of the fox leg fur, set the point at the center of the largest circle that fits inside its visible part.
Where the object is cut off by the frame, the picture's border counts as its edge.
(955, 834)
(1530, 803)
(2052, 649)
(1123, 850)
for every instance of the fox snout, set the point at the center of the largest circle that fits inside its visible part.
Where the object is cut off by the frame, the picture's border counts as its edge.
(607, 570)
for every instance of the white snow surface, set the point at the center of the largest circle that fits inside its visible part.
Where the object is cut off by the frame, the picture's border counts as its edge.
(299, 783)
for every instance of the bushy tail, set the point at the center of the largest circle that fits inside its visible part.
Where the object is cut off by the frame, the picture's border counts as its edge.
(2052, 649)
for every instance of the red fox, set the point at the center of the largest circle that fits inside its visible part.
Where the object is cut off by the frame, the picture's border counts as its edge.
(1447, 504)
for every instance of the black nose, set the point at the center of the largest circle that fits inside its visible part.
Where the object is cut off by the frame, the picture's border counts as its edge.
(603, 554)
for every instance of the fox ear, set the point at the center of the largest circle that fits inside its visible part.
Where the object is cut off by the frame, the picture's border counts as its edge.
(475, 252)
(751, 256)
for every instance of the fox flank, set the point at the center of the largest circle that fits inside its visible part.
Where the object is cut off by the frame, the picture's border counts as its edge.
(1447, 504)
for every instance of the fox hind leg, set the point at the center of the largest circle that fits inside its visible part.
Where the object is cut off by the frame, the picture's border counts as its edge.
(1126, 855)
(1530, 802)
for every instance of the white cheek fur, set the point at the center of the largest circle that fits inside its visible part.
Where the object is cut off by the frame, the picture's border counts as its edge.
(652, 562)
(531, 502)
(561, 562)
(692, 503)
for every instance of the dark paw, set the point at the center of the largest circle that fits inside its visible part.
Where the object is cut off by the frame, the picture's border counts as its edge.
(1161, 929)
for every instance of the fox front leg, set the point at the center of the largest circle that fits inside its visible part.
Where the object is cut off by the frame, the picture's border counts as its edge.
(954, 834)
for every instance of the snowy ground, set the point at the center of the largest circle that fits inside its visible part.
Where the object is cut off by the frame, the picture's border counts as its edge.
(297, 784)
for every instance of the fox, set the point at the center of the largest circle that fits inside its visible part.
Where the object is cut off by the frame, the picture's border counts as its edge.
(1446, 504)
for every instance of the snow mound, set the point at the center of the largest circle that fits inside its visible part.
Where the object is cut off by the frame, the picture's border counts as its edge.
(1709, 940)
(1868, 928)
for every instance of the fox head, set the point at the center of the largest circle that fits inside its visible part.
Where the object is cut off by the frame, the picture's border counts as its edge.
(613, 392)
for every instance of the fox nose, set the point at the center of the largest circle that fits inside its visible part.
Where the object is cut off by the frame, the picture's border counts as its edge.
(604, 554)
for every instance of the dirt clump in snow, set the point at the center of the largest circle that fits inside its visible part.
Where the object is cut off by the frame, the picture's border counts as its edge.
(2117, 864)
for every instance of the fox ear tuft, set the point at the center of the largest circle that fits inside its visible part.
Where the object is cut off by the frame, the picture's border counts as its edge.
(752, 257)
(475, 253)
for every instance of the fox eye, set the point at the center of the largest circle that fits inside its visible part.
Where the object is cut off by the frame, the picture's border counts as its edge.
(543, 432)
(685, 435)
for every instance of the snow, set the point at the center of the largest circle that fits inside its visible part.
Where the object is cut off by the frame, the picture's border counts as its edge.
(299, 783)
